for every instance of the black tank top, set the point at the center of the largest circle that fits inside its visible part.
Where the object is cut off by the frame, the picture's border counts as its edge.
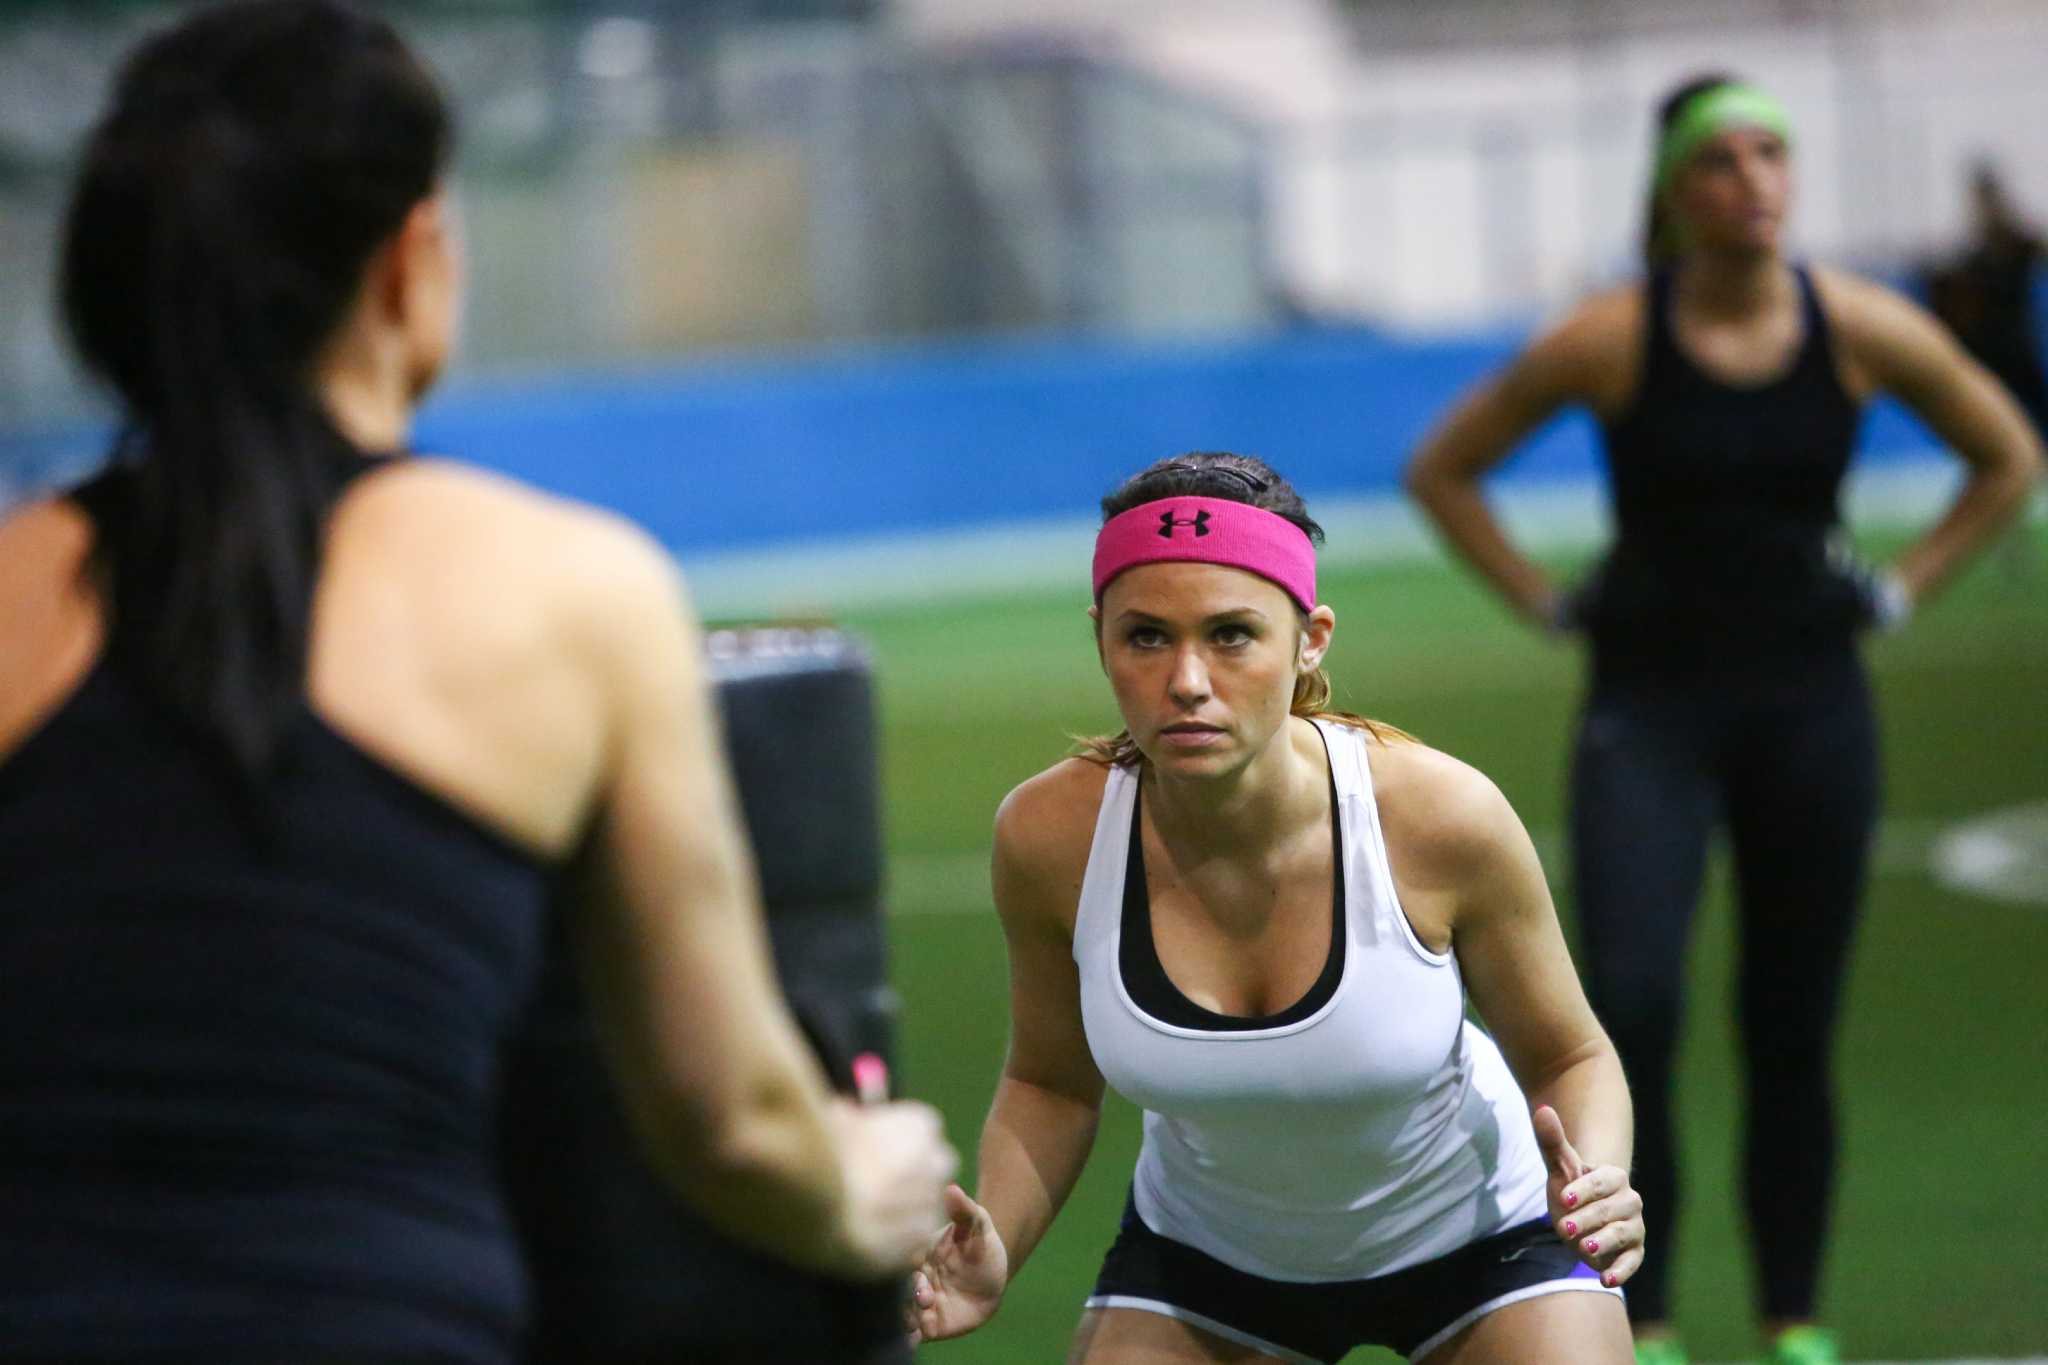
(247, 1081)
(1724, 502)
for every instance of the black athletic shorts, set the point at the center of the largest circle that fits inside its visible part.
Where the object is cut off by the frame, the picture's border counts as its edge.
(1413, 1311)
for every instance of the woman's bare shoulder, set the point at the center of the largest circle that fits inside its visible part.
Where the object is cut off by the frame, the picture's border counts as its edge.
(1617, 306)
(1838, 288)
(49, 614)
(45, 529)
(476, 535)
(1887, 342)
(474, 509)
(1044, 830)
(1872, 316)
(1441, 816)
(494, 640)
(1592, 353)
(1602, 324)
(1048, 820)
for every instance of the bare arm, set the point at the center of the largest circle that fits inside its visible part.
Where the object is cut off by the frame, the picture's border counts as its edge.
(1041, 1125)
(1523, 984)
(1520, 978)
(1048, 1100)
(1909, 355)
(716, 1077)
(1583, 360)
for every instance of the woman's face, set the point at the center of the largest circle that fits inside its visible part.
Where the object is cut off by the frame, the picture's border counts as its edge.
(1203, 659)
(1733, 192)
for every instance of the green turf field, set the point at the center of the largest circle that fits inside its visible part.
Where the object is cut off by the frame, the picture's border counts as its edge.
(1942, 1232)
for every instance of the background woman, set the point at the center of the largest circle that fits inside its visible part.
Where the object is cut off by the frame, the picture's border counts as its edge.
(1725, 679)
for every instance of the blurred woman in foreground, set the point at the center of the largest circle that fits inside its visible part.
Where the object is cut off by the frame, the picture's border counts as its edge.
(297, 731)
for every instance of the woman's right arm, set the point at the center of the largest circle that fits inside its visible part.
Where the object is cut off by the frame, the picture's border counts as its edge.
(1041, 1125)
(1588, 358)
(714, 1071)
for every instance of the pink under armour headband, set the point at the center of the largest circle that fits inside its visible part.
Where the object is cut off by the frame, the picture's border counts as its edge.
(1209, 531)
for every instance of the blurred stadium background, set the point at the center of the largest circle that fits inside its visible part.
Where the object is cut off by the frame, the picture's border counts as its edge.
(859, 305)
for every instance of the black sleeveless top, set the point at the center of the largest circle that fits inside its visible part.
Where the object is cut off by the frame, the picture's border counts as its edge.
(247, 1081)
(1724, 501)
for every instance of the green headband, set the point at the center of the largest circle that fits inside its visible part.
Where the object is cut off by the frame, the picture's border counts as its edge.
(1716, 111)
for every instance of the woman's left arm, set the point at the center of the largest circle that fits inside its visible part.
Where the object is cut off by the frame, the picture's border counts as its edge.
(1903, 351)
(1521, 981)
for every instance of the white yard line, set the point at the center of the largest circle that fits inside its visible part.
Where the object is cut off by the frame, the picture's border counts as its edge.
(2002, 855)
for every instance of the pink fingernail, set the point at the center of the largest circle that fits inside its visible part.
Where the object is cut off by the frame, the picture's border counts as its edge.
(1607, 1280)
(1571, 1200)
(1592, 1247)
(1571, 1229)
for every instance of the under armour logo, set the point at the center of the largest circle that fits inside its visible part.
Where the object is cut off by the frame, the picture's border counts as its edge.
(1167, 521)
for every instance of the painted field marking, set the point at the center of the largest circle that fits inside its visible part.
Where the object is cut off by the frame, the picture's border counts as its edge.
(2002, 856)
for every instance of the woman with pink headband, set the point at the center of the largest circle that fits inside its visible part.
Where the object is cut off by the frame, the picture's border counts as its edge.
(1722, 629)
(1257, 918)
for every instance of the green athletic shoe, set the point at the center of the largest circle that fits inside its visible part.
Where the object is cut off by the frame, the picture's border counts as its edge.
(1660, 1351)
(1804, 1346)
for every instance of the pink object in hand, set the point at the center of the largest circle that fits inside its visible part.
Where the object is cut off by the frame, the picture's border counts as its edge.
(870, 1078)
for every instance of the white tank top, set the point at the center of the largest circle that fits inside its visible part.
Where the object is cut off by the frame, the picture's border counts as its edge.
(1381, 1131)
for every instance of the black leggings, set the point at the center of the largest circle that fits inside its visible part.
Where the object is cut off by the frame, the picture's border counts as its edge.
(1788, 762)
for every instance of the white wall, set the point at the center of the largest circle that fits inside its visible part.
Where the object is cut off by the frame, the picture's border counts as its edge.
(1487, 160)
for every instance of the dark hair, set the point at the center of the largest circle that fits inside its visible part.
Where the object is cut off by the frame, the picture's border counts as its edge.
(1660, 246)
(251, 161)
(1239, 478)
(1214, 474)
